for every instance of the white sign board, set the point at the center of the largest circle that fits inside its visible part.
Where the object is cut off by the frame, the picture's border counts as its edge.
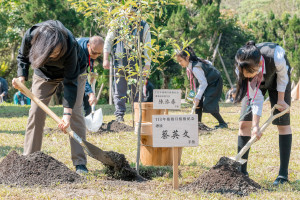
(175, 130)
(166, 99)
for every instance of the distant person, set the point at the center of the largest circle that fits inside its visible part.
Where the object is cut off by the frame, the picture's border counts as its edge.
(21, 99)
(93, 48)
(117, 47)
(3, 89)
(230, 95)
(211, 84)
(260, 68)
(148, 91)
(54, 54)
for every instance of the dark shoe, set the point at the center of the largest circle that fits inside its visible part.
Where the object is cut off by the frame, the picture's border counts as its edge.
(280, 180)
(81, 169)
(120, 119)
(246, 173)
(222, 125)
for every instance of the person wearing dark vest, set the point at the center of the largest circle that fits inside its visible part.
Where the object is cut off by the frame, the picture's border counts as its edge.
(117, 48)
(21, 99)
(260, 68)
(210, 84)
(93, 48)
(55, 56)
(3, 89)
(148, 91)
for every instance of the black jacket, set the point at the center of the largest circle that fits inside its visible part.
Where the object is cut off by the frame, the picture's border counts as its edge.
(68, 67)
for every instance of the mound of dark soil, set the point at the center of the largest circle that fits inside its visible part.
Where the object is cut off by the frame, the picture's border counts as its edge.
(115, 126)
(224, 178)
(122, 169)
(203, 128)
(34, 169)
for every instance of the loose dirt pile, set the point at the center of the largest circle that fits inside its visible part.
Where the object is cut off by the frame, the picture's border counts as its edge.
(34, 169)
(122, 169)
(224, 178)
(114, 126)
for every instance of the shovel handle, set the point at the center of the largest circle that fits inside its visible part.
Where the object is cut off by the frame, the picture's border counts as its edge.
(29, 94)
(193, 109)
(263, 128)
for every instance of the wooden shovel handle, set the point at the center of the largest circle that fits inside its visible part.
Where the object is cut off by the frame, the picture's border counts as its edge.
(193, 109)
(29, 94)
(263, 128)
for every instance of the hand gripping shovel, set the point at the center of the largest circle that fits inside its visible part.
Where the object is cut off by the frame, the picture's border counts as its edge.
(238, 157)
(90, 149)
(94, 120)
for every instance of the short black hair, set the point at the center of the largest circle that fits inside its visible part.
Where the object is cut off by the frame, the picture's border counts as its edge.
(47, 37)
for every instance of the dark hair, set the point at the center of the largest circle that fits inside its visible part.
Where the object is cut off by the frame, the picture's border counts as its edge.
(47, 37)
(188, 51)
(246, 58)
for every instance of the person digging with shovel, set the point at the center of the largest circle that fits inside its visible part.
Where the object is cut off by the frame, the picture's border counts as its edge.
(54, 54)
(261, 68)
(210, 80)
(93, 48)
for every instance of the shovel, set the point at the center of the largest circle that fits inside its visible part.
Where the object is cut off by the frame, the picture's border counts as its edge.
(193, 109)
(238, 157)
(94, 120)
(107, 158)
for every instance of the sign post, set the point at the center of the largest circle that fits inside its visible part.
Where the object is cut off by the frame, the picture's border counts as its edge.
(175, 131)
(175, 168)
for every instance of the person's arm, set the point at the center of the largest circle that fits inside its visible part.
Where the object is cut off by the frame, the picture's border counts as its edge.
(23, 56)
(89, 92)
(199, 74)
(108, 44)
(282, 75)
(257, 107)
(147, 42)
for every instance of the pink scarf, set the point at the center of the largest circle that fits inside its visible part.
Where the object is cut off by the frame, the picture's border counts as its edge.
(190, 76)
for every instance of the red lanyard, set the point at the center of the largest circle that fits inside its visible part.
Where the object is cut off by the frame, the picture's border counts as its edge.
(91, 66)
(257, 88)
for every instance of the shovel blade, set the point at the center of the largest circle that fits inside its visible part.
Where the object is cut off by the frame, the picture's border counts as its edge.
(94, 121)
(98, 154)
(241, 161)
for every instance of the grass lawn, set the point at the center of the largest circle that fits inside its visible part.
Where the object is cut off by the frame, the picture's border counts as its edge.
(263, 161)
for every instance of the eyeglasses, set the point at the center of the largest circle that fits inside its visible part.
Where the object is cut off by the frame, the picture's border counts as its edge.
(94, 52)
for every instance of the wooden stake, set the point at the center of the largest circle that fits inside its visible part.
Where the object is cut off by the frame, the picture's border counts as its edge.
(227, 75)
(110, 83)
(175, 168)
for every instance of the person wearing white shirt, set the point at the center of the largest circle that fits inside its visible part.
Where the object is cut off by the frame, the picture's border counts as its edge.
(261, 68)
(120, 54)
(210, 84)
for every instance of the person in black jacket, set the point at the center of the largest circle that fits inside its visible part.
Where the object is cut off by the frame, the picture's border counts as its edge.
(55, 56)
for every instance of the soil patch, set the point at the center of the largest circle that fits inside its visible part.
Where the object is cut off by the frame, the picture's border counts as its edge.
(35, 169)
(121, 169)
(224, 178)
(115, 126)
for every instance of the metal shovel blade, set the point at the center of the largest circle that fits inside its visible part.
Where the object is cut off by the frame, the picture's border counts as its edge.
(94, 120)
(98, 154)
(241, 161)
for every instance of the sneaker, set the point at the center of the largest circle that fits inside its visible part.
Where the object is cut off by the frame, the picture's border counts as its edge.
(81, 169)
(120, 118)
(221, 125)
(280, 180)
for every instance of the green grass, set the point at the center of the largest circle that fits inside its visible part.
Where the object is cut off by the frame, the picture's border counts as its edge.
(263, 161)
